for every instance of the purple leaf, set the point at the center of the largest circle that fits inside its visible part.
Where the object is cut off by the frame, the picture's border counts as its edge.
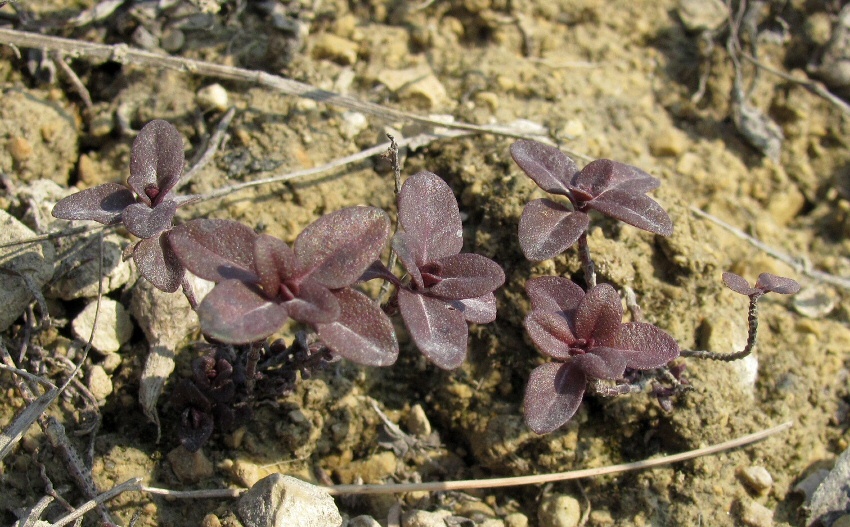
(547, 166)
(158, 263)
(377, 269)
(600, 315)
(553, 395)
(551, 333)
(466, 275)
(645, 346)
(156, 161)
(338, 247)
(363, 333)
(273, 261)
(603, 175)
(601, 363)
(738, 284)
(103, 204)
(481, 310)
(438, 330)
(770, 283)
(146, 222)
(428, 212)
(237, 313)
(409, 253)
(546, 229)
(637, 210)
(313, 303)
(215, 250)
(554, 293)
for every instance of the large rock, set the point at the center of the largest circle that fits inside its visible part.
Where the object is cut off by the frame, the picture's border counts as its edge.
(23, 268)
(284, 501)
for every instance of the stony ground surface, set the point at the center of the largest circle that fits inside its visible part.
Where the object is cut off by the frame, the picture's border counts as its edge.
(617, 79)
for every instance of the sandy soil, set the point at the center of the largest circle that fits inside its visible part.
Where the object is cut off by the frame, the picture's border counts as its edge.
(606, 79)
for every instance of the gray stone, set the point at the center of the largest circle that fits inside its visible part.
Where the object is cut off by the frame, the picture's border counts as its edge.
(284, 501)
(22, 268)
(702, 15)
(559, 511)
(113, 329)
(417, 518)
(80, 268)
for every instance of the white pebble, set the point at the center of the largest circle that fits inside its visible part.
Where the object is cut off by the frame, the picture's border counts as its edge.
(213, 97)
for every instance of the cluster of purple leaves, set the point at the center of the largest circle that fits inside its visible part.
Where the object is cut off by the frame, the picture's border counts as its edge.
(207, 399)
(548, 228)
(146, 206)
(582, 332)
(261, 281)
(585, 336)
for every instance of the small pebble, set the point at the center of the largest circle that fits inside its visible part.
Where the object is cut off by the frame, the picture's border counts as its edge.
(363, 521)
(417, 422)
(757, 478)
(559, 511)
(99, 383)
(754, 514)
(113, 329)
(111, 362)
(172, 40)
(19, 148)
(338, 49)
(418, 518)
(213, 97)
(516, 519)
(190, 467)
(210, 520)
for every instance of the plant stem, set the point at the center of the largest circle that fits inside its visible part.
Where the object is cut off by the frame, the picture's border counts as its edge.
(752, 335)
(586, 261)
(392, 153)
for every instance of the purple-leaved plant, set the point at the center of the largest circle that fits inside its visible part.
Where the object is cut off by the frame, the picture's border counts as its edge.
(261, 281)
(586, 337)
(446, 288)
(146, 208)
(547, 228)
(766, 283)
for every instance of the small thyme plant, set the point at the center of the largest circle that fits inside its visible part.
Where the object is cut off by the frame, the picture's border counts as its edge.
(261, 282)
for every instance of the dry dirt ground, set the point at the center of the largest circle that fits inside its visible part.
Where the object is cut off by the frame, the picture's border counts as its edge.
(618, 79)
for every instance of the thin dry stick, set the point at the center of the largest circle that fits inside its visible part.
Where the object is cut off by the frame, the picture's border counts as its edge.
(124, 54)
(97, 501)
(212, 147)
(336, 163)
(439, 486)
(802, 268)
(561, 476)
(815, 87)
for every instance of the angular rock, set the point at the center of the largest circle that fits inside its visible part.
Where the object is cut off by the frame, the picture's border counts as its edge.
(516, 519)
(165, 319)
(113, 329)
(99, 383)
(80, 268)
(417, 422)
(284, 501)
(757, 478)
(22, 268)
